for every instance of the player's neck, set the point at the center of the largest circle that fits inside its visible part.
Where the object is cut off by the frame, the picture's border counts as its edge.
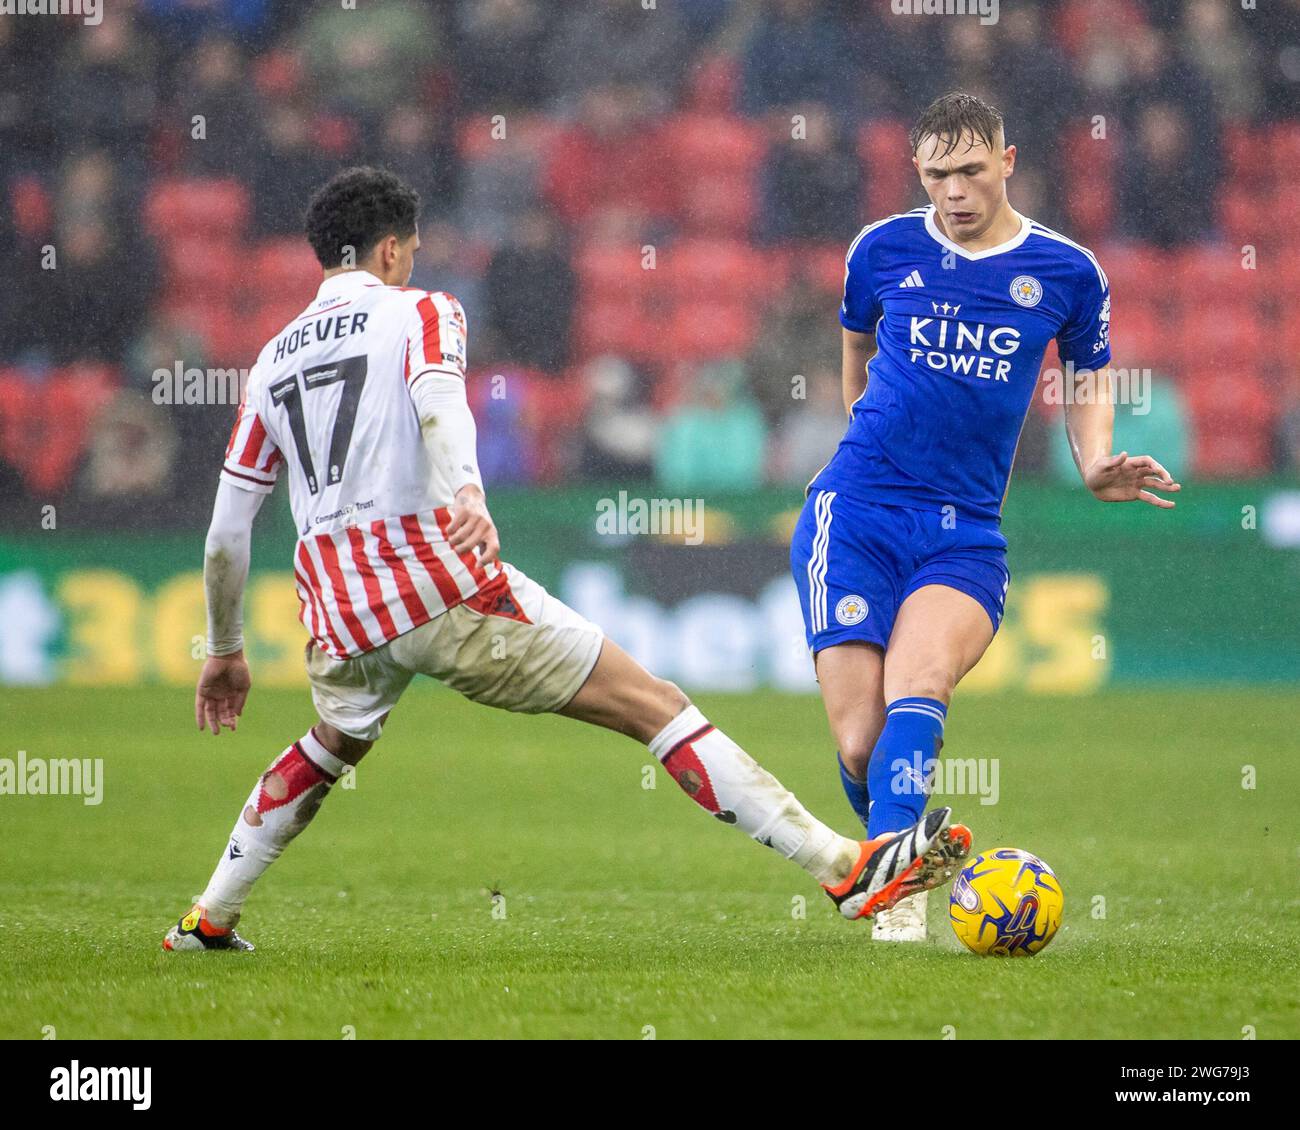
(334, 272)
(1004, 227)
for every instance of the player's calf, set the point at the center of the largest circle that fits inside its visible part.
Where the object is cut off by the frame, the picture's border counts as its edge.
(281, 805)
(711, 769)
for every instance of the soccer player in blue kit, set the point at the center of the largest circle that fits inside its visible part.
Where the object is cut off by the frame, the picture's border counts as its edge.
(897, 555)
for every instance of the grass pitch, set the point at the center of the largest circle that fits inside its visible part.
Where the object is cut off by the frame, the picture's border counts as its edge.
(625, 912)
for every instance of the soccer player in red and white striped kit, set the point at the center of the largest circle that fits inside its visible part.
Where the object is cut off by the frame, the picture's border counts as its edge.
(360, 401)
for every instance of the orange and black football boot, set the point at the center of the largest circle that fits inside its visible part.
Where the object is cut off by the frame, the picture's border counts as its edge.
(891, 867)
(195, 932)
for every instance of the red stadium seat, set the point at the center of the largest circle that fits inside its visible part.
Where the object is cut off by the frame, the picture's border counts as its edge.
(702, 270)
(1234, 454)
(1090, 205)
(1246, 149)
(822, 265)
(715, 143)
(45, 424)
(1137, 275)
(722, 204)
(884, 151)
(31, 205)
(1233, 414)
(711, 87)
(1215, 276)
(708, 331)
(614, 271)
(1229, 336)
(1244, 214)
(1283, 152)
(195, 267)
(198, 206)
(1141, 338)
(267, 321)
(285, 271)
(1284, 341)
(883, 144)
(218, 323)
(615, 325)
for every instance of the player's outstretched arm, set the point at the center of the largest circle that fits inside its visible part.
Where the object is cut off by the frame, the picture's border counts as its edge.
(1090, 426)
(224, 681)
(451, 441)
(858, 349)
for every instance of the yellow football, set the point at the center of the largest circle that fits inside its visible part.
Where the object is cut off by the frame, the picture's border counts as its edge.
(1006, 903)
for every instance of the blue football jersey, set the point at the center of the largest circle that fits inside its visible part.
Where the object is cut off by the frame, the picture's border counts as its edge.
(960, 338)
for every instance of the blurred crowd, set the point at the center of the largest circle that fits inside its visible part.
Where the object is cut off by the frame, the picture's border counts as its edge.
(643, 206)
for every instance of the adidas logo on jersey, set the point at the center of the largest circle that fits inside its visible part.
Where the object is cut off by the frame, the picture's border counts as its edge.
(914, 279)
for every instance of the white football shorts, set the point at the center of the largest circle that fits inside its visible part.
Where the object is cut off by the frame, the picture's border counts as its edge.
(512, 645)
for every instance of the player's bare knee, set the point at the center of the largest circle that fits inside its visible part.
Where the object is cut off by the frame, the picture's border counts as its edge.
(343, 746)
(855, 752)
(652, 707)
(935, 681)
(672, 696)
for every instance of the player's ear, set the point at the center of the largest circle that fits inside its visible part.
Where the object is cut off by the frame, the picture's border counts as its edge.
(1008, 160)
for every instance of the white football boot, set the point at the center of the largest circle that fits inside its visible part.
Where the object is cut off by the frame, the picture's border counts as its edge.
(903, 922)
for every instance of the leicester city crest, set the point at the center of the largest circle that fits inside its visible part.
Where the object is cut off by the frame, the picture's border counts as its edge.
(851, 610)
(1026, 290)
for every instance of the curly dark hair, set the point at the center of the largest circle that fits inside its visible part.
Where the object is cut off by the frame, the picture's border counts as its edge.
(955, 115)
(357, 208)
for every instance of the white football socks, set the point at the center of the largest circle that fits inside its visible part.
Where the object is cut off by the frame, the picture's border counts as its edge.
(724, 780)
(281, 805)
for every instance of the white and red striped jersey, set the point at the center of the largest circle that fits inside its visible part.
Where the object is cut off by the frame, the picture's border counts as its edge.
(329, 403)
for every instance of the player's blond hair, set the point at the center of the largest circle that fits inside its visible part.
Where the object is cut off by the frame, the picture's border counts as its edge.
(956, 115)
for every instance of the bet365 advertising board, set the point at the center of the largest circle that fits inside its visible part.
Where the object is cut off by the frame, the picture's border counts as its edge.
(699, 589)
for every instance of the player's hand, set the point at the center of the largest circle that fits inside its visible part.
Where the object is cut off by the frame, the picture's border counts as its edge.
(472, 527)
(1125, 478)
(222, 692)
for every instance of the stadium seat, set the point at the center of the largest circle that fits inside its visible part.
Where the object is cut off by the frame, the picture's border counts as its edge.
(31, 206)
(821, 265)
(1090, 205)
(615, 324)
(45, 423)
(711, 85)
(710, 330)
(198, 206)
(715, 143)
(1231, 336)
(1283, 153)
(195, 267)
(284, 271)
(1233, 413)
(1137, 274)
(613, 270)
(701, 270)
(884, 150)
(717, 204)
(1142, 339)
(217, 321)
(1243, 213)
(1200, 271)
(1246, 151)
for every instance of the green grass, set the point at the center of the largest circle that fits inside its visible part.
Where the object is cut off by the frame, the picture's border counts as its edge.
(627, 908)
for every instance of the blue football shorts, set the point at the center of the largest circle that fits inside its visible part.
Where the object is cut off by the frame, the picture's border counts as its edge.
(855, 562)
